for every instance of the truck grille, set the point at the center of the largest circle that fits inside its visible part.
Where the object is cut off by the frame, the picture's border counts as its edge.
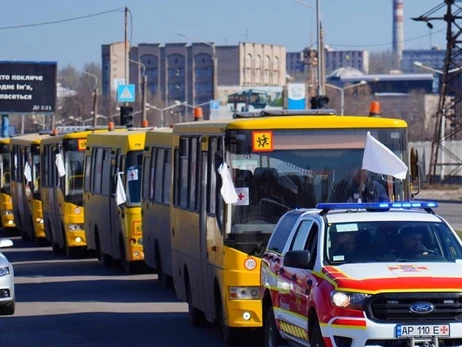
(395, 307)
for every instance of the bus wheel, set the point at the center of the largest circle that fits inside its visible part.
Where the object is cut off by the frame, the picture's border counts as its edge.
(128, 266)
(230, 335)
(163, 278)
(103, 258)
(196, 316)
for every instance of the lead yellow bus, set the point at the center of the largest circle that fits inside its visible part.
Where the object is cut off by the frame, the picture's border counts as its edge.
(264, 164)
(156, 203)
(6, 203)
(112, 197)
(62, 192)
(25, 186)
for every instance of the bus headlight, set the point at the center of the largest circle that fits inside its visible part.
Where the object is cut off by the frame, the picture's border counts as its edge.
(7, 212)
(74, 227)
(353, 301)
(244, 293)
(39, 220)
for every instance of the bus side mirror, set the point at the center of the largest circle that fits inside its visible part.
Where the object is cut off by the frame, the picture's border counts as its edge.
(418, 164)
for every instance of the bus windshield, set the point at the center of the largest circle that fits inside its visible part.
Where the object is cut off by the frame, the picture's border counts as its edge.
(5, 170)
(35, 171)
(73, 162)
(303, 168)
(133, 175)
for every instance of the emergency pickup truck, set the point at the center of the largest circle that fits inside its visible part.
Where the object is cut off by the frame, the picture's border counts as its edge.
(363, 274)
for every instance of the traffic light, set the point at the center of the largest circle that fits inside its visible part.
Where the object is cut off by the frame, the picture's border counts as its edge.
(319, 101)
(126, 116)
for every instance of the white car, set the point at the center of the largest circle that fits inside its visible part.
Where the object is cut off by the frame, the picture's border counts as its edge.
(7, 298)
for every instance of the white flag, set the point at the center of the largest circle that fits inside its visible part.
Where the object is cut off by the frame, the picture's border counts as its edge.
(28, 172)
(227, 187)
(120, 195)
(60, 165)
(379, 159)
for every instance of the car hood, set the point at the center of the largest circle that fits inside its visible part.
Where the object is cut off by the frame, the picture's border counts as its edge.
(379, 277)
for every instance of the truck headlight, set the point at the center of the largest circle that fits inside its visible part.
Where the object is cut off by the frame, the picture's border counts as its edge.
(74, 227)
(39, 220)
(353, 301)
(4, 271)
(7, 212)
(244, 293)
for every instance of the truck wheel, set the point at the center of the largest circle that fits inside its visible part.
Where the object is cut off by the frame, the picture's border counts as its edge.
(272, 336)
(316, 339)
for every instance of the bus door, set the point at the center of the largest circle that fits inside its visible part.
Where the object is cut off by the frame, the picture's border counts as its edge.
(206, 255)
(115, 212)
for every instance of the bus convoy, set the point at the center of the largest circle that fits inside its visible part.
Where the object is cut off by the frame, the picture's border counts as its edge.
(161, 196)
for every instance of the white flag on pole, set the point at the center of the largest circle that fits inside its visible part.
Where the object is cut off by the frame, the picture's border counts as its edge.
(120, 195)
(60, 165)
(28, 172)
(379, 159)
(228, 192)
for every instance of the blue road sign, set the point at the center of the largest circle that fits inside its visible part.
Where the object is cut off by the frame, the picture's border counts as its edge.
(214, 105)
(126, 93)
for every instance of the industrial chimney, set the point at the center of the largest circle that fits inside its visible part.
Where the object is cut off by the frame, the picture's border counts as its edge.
(398, 28)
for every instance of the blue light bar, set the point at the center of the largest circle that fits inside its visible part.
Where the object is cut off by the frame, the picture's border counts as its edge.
(377, 205)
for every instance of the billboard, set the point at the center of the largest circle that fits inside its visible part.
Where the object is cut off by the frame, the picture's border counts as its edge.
(296, 96)
(27, 87)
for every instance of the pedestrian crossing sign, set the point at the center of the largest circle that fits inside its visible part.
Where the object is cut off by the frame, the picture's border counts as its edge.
(126, 93)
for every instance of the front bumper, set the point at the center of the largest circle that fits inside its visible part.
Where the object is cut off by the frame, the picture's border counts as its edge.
(361, 332)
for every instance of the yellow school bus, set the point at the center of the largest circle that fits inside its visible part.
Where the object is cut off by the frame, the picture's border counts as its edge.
(62, 193)
(112, 196)
(266, 163)
(156, 198)
(25, 186)
(6, 203)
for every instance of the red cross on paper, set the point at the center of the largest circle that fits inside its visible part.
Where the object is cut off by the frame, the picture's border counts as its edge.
(132, 174)
(241, 196)
(444, 330)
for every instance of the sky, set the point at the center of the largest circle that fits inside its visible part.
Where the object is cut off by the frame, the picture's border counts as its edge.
(348, 24)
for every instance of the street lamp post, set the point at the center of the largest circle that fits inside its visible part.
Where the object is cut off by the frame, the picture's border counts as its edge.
(342, 93)
(161, 110)
(95, 94)
(214, 62)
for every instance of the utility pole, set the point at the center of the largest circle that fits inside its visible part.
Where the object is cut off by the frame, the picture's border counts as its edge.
(126, 48)
(144, 100)
(95, 106)
(450, 99)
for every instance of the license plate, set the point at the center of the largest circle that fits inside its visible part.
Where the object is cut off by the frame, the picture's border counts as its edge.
(422, 330)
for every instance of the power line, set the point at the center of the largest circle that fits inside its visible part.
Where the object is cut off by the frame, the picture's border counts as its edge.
(61, 20)
(386, 44)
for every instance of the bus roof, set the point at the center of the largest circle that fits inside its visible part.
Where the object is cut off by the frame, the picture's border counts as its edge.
(4, 140)
(128, 140)
(291, 122)
(28, 139)
(160, 136)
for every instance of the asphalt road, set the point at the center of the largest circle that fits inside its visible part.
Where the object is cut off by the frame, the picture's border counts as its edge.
(452, 213)
(64, 302)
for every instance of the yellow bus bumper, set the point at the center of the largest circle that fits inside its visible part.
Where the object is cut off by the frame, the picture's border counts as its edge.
(245, 313)
(76, 238)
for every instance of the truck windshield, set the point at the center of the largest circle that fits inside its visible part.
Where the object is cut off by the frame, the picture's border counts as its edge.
(390, 241)
(303, 168)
